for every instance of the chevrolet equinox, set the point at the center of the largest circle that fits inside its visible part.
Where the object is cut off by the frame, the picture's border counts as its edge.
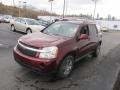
(57, 47)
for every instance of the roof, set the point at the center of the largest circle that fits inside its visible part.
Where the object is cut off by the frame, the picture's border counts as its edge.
(80, 21)
(25, 18)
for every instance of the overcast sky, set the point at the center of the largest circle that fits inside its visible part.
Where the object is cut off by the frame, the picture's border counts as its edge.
(104, 7)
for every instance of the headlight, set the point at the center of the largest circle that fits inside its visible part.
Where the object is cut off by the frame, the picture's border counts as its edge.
(49, 52)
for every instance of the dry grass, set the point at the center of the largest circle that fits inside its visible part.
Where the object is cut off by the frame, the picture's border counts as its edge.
(25, 12)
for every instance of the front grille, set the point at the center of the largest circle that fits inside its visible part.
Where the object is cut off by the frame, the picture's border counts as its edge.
(26, 51)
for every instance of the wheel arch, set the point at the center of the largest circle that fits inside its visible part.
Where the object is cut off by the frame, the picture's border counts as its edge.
(28, 28)
(100, 42)
(69, 53)
(73, 53)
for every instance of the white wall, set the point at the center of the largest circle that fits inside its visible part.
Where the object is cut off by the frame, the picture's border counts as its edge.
(109, 24)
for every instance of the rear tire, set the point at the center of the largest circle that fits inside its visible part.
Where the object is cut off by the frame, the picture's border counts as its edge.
(28, 31)
(97, 51)
(66, 67)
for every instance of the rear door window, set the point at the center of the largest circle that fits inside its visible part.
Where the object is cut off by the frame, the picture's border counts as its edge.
(22, 21)
(17, 20)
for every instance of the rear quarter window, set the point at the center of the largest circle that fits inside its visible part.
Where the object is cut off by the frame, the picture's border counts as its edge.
(17, 20)
(93, 29)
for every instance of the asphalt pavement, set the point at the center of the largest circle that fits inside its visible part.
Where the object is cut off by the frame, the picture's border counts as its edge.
(89, 74)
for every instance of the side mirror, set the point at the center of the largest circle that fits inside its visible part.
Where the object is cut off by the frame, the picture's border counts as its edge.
(83, 37)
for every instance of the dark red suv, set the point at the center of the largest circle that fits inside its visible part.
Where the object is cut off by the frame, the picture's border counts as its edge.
(58, 47)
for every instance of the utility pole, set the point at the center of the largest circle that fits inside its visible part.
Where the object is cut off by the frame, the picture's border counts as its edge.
(19, 8)
(24, 4)
(14, 3)
(25, 7)
(64, 9)
(1, 1)
(51, 1)
(94, 9)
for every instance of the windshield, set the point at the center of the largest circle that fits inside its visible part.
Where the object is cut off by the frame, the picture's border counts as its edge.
(32, 22)
(62, 29)
(8, 17)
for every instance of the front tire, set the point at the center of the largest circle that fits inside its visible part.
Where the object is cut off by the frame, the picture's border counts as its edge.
(28, 31)
(66, 67)
(97, 51)
(12, 27)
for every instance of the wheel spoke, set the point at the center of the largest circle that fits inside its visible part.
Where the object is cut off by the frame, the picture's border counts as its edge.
(68, 66)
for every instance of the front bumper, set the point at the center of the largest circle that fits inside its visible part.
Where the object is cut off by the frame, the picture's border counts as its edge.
(36, 64)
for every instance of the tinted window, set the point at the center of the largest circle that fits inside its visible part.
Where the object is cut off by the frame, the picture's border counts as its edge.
(62, 29)
(84, 30)
(17, 20)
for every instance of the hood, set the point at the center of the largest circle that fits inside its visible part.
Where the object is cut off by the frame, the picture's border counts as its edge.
(42, 40)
